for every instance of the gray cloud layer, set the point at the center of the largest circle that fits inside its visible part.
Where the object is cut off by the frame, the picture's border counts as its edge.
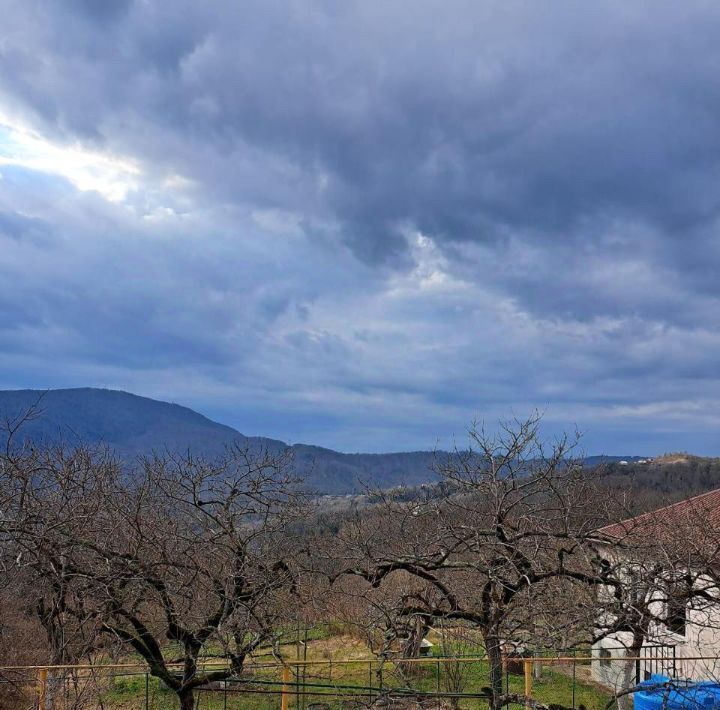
(362, 224)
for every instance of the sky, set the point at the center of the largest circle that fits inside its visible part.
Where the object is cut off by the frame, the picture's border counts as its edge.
(366, 224)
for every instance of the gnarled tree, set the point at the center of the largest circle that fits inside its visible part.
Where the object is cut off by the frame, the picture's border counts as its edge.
(509, 523)
(171, 560)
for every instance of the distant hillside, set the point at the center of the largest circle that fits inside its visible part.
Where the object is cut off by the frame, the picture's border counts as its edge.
(664, 479)
(133, 425)
(130, 424)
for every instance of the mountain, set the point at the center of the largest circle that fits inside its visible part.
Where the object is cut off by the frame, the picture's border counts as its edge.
(132, 425)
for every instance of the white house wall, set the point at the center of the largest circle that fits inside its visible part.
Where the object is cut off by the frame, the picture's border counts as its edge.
(702, 638)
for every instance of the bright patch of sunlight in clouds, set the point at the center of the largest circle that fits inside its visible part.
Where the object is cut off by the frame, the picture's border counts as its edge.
(111, 176)
(431, 273)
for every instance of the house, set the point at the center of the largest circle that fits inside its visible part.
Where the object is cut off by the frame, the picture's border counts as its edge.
(679, 632)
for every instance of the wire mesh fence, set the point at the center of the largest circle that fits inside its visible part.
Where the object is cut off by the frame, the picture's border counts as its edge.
(572, 681)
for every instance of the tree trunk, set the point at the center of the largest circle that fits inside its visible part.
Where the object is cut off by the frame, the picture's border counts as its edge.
(416, 633)
(627, 679)
(410, 646)
(187, 700)
(494, 655)
(537, 670)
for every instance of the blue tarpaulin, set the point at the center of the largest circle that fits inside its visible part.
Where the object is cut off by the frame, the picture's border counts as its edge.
(660, 693)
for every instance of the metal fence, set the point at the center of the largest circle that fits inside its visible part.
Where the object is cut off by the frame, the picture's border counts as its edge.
(658, 659)
(569, 680)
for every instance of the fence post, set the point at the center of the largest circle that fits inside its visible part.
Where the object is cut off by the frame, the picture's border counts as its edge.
(574, 677)
(528, 682)
(147, 692)
(285, 693)
(506, 672)
(42, 688)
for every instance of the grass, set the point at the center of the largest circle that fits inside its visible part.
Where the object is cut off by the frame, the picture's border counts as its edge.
(127, 691)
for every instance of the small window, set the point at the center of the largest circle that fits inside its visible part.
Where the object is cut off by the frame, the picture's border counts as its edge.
(605, 657)
(676, 619)
(676, 608)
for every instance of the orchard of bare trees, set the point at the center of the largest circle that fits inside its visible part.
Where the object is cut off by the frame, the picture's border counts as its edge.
(175, 560)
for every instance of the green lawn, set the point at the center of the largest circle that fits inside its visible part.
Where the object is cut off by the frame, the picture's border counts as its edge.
(123, 692)
(553, 687)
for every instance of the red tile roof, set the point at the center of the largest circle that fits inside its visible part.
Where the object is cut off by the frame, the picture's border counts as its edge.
(703, 509)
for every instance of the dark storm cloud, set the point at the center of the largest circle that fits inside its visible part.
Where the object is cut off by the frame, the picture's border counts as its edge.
(561, 160)
(464, 123)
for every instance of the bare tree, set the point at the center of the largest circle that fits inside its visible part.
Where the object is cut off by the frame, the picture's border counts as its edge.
(42, 594)
(512, 520)
(169, 560)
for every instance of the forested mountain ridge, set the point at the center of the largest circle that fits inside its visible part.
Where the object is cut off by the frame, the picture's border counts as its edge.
(132, 426)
